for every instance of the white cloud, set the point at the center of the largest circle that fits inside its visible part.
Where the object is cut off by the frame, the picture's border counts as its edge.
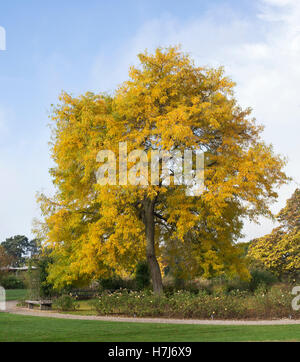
(279, 2)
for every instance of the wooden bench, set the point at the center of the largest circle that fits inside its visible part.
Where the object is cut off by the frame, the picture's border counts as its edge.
(44, 304)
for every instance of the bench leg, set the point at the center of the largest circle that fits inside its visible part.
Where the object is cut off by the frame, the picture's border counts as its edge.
(30, 306)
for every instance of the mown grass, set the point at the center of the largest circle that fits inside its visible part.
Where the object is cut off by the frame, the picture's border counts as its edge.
(40, 329)
(84, 308)
(15, 294)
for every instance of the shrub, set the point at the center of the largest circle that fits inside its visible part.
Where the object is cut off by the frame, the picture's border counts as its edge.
(12, 282)
(261, 277)
(83, 294)
(111, 284)
(36, 279)
(272, 303)
(115, 283)
(46, 288)
(236, 285)
(65, 303)
(142, 275)
(172, 285)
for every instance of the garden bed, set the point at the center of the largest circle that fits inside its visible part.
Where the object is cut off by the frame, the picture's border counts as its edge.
(265, 305)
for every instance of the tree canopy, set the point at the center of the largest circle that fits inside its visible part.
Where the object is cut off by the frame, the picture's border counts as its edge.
(18, 246)
(167, 104)
(279, 251)
(6, 260)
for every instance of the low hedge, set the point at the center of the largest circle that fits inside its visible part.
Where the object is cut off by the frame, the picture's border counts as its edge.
(12, 282)
(272, 304)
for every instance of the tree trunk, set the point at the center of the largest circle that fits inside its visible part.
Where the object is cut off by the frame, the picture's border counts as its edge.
(150, 249)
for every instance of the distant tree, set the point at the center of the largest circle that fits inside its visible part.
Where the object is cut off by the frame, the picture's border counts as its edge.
(5, 259)
(279, 251)
(18, 247)
(34, 247)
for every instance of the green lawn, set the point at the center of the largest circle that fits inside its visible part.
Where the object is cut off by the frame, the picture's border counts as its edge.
(27, 328)
(85, 308)
(15, 294)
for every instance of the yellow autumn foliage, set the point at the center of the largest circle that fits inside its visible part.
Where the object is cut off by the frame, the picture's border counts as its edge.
(279, 251)
(169, 104)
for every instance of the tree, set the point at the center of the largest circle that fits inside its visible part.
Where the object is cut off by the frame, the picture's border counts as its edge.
(5, 259)
(167, 105)
(279, 251)
(34, 248)
(18, 247)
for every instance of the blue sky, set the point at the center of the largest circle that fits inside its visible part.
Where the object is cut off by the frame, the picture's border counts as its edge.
(80, 46)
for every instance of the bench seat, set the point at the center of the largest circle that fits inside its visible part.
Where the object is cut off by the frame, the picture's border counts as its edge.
(44, 304)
